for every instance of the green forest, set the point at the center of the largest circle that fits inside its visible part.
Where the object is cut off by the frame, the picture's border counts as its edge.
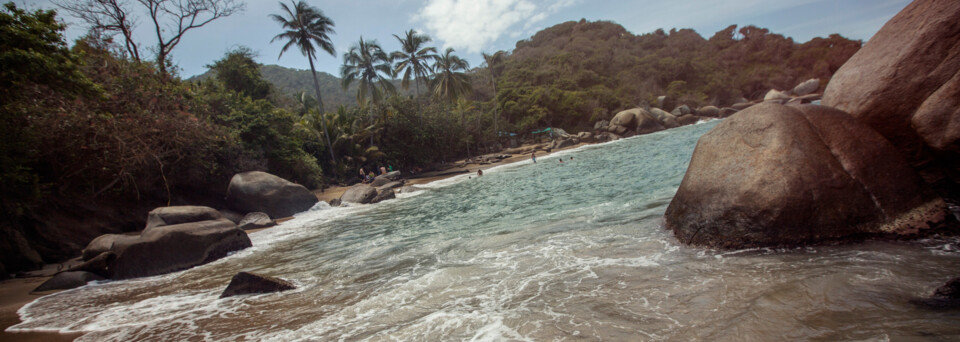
(89, 124)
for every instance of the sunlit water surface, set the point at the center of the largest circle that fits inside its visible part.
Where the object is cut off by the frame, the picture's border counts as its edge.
(538, 252)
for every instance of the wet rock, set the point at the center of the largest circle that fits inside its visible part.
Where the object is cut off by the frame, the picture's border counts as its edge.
(250, 283)
(787, 175)
(101, 265)
(360, 194)
(260, 191)
(165, 216)
(176, 247)
(383, 195)
(256, 220)
(944, 297)
(391, 185)
(334, 202)
(67, 280)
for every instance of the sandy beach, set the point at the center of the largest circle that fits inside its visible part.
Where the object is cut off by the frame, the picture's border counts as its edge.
(15, 293)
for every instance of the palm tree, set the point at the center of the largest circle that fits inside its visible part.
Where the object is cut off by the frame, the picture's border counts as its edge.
(413, 59)
(304, 27)
(495, 67)
(450, 81)
(367, 64)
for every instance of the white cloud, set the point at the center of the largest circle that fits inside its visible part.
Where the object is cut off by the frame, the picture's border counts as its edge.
(475, 24)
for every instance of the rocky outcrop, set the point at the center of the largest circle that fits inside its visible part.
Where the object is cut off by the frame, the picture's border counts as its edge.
(104, 243)
(256, 220)
(260, 191)
(360, 194)
(786, 175)
(383, 195)
(250, 283)
(172, 248)
(67, 280)
(905, 81)
(165, 216)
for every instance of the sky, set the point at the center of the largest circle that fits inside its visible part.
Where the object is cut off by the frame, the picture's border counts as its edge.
(475, 26)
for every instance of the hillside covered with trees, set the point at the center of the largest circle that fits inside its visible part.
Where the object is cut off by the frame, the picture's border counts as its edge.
(97, 134)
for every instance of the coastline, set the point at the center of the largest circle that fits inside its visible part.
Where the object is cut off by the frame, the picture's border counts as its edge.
(15, 293)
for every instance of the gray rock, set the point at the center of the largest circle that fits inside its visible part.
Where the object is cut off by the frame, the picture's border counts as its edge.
(165, 216)
(626, 118)
(260, 191)
(688, 119)
(617, 129)
(391, 185)
(807, 87)
(601, 125)
(649, 124)
(710, 111)
(742, 105)
(360, 194)
(335, 202)
(101, 265)
(250, 283)
(105, 243)
(681, 110)
(776, 95)
(172, 248)
(383, 195)
(256, 220)
(67, 280)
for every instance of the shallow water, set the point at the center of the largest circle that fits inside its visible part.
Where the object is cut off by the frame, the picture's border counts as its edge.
(530, 252)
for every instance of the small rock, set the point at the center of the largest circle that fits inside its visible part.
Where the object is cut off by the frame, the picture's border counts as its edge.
(256, 220)
(334, 202)
(806, 87)
(67, 280)
(710, 111)
(727, 112)
(250, 283)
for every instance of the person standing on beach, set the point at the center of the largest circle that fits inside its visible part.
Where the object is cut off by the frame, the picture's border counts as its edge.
(533, 155)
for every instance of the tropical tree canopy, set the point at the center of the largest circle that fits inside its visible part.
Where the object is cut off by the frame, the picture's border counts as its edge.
(367, 64)
(451, 81)
(306, 26)
(413, 58)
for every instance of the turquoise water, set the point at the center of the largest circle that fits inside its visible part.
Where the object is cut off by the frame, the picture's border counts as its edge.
(530, 252)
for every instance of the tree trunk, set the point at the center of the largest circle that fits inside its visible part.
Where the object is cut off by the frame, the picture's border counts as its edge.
(323, 121)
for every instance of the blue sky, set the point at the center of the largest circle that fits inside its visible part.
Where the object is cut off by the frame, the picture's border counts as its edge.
(475, 26)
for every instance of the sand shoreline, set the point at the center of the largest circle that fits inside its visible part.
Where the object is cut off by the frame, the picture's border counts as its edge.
(15, 293)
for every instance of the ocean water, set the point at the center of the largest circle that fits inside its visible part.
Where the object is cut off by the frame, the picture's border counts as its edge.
(572, 251)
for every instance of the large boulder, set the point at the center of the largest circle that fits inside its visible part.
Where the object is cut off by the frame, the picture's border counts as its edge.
(165, 216)
(104, 243)
(172, 248)
(905, 81)
(260, 191)
(250, 283)
(785, 175)
(360, 194)
(647, 123)
(67, 280)
(626, 118)
(668, 120)
(806, 87)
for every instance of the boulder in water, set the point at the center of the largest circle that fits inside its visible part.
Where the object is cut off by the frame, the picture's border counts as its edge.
(250, 283)
(787, 175)
(360, 194)
(260, 191)
(104, 243)
(383, 195)
(172, 248)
